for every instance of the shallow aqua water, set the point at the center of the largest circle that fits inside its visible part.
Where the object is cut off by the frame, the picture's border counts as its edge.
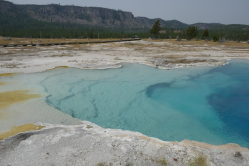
(206, 104)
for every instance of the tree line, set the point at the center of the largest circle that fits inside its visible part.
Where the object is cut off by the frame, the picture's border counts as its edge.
(220, 34)
(22, 26)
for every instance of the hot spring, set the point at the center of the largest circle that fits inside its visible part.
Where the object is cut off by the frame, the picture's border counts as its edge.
(205, 104)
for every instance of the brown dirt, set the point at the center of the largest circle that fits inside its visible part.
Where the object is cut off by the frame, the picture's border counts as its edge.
(36, 41)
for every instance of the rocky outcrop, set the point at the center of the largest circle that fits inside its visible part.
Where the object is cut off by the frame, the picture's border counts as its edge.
(91, 145)
(93, 16)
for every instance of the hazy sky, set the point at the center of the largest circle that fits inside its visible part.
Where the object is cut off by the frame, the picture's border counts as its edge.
(187, 11)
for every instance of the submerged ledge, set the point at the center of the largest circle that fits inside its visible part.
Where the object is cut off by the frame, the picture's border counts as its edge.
(89, 144)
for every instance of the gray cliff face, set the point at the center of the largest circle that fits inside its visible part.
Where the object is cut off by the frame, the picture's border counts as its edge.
(8, 8)
(81, 15)
(91, 145)
(93, 16)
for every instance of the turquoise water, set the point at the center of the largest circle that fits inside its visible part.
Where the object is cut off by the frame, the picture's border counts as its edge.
(205, 104)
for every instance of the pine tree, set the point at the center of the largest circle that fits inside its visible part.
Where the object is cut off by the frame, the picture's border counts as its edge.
(205, 34)
(215, 38)
(87, 32)
(91, 33)
(156, 28)
(191, 32)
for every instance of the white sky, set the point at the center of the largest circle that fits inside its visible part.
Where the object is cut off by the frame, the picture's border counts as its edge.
(186, 11)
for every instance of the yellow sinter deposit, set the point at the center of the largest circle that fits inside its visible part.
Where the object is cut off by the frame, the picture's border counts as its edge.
(12, 97)
(6, 74)
(2, 83)
(58, 67)
(20, 129)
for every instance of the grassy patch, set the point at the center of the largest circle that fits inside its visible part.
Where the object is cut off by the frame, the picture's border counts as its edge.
(102, 164)
(117, 58)
(163, 161)
(199, 161)
(63, 55)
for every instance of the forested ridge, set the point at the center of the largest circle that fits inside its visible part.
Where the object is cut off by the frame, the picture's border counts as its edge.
(56, 21)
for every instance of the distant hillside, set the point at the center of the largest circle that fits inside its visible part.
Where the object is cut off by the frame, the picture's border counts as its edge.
(71, 14)
(150, 22)
(93, 16)
(206, 25)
